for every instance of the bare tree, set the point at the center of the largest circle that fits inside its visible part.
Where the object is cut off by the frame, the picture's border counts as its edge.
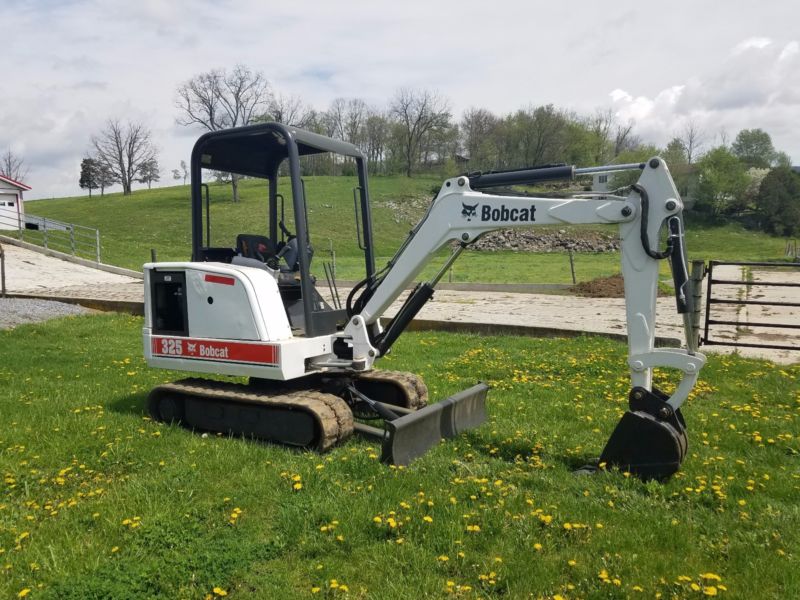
(125, 150)
(289, 110)
(13, 166)
(418, 113)
(692, 138)
(624, 138)
(220, 99)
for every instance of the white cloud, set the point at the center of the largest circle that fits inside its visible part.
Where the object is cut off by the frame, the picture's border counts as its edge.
(757, 43)
(756, 88)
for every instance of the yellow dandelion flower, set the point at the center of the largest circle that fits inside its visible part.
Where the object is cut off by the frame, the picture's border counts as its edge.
(713, 576)
(710, 590)
(427, 519)
(297, 486)
(377, 520)
(315, 590)
(443, 558)
(219, 591)
(23, 592)
(537, 546)
(344, 588)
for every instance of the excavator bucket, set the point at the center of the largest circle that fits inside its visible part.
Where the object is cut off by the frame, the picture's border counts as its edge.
(412, 435)
(650, 439)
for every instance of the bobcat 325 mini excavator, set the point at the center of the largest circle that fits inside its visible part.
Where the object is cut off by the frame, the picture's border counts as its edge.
(253, 310)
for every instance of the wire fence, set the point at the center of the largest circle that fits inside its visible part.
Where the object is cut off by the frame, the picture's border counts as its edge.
(68, 238)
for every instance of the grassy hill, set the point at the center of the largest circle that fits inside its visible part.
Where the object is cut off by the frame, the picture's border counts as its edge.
(131, 226)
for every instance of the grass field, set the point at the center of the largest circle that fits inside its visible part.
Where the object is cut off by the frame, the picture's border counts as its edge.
(100, 502)
(160, 219)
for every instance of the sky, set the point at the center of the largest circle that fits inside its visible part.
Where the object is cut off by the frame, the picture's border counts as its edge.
(67, 66)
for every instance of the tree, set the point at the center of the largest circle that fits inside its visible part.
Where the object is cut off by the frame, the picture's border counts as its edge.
(692, 138)
(477, 129)
(181, 173)
(418, 112)
(376, 139)
(13, 166)
(722, 182)
(89, 174)
(150, 172)
(782, 160)
(124, 150)
(219, 99)
(754, 148)
(105, 177)
(778, 202)
(678, 161)
(289, 110)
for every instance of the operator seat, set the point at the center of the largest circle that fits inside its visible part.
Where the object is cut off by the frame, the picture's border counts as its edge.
(259, 247)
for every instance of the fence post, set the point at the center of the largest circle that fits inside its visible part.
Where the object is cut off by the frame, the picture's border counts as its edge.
(2, 272)
(97, 243)
(72, 239)
(698, 273)
(572, 266)
(44, 227)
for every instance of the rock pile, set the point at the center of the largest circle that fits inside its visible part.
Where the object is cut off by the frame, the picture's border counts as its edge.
(560, 240)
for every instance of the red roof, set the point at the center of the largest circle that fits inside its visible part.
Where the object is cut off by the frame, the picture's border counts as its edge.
(18, 184)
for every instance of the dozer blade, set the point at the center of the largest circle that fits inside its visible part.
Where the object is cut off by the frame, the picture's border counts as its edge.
(412, 435)
(650, 439)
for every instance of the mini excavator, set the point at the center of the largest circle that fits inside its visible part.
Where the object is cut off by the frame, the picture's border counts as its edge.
(254, 310)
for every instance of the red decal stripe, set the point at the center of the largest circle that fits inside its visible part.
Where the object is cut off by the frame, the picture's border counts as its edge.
(220, 279)
(177, 347)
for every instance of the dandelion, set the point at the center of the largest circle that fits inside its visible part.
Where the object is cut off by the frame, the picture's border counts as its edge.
(537, 546)
(710, 590)
(23, 592)
(427, 519)
(315, 590)
(218, 591)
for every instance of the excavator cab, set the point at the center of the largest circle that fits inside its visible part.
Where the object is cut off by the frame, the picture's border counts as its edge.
(267, 151)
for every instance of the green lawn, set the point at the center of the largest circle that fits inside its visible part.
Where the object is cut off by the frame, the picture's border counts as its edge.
(160, 219)
(100, 502)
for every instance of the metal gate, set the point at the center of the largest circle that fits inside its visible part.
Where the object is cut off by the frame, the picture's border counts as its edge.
(759, 295)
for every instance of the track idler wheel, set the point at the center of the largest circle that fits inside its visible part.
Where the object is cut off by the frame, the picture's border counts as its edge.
(650, 440)
(166, 407)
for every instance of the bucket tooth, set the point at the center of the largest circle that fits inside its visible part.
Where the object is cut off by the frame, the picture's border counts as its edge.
(650, 440)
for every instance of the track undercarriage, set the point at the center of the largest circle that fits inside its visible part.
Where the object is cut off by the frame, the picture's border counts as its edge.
(315, 413)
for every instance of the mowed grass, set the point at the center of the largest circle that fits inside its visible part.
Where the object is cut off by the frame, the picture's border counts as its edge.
(161, 219)
(100, 502)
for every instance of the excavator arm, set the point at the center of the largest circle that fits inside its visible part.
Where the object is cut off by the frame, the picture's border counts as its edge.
(650, 440)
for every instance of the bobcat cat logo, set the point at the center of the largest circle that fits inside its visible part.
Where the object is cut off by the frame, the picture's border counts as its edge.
(469, 211)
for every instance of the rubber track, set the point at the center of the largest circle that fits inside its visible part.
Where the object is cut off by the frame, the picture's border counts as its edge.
(413, 387)
(331, 413)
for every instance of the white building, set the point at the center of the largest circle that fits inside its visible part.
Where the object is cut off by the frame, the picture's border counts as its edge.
(12, 208)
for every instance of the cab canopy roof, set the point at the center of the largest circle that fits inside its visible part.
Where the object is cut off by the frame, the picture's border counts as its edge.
(258, 150)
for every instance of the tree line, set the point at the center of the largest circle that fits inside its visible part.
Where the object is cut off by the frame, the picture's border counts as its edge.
(416, 131)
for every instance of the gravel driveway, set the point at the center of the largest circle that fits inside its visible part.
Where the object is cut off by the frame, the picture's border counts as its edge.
(16, 311)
